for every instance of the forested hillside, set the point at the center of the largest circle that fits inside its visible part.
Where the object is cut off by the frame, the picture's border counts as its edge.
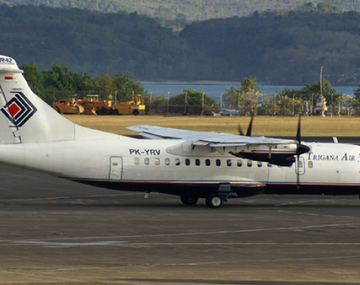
(97, 43)
(188, 10)
(284, 47)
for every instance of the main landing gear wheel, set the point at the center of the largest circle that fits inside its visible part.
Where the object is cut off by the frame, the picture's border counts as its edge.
(187, 200)
(213, 201)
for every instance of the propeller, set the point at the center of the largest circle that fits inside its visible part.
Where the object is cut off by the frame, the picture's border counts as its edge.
(301, 148)
(284, 160)
(248, 132)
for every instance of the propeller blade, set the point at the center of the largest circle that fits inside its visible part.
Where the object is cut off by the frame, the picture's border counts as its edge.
(298, 134)
(240, 130)
(301, 148)
(248, 133)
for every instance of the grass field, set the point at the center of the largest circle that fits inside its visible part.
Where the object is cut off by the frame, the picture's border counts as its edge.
(263, 125)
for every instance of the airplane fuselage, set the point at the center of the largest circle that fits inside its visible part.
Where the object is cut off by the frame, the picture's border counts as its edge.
(147, 165)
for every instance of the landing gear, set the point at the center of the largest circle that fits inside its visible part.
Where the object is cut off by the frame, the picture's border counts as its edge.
(187, 200)
(213, 201)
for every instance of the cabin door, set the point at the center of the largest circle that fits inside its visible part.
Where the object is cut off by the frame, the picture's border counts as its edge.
(115, 169)
(300, 166)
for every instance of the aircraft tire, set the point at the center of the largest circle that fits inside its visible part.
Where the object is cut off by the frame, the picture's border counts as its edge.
(188, 200)
(213, 201)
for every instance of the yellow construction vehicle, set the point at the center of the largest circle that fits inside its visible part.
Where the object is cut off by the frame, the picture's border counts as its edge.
(68, 106)
(133, 107)
(93, 105)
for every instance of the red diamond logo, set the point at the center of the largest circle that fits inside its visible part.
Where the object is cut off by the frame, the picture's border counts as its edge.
(19, 109)
(13, 109)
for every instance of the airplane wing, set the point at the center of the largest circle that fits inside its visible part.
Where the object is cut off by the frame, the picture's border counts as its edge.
(273, 150)
(211, 139)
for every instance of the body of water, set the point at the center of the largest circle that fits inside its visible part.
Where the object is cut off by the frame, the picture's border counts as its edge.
(215, 90)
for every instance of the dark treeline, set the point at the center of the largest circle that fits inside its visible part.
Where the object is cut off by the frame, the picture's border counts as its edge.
(284, 47)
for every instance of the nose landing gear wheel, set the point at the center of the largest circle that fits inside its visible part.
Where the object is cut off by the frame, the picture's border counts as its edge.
(213, 201)
(187, 200)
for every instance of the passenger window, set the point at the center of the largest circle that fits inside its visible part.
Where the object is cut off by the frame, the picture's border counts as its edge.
(187, 161)
(249, 163)
(310, 164)
(269, 165)
(177, 161)
(218, 162)
(259, 164)
(300, 163)
(136, 161)
(157, 161)
(197, 162)
(228, 162)
(147, 161)
(167, 161)
(207, 162)
(239, 163)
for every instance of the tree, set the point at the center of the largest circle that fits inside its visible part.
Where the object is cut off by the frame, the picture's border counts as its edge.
(62, 79)
(193, 101)
(104, 85)
(286, 105)
(32, 76)
(192, 98)
(356, 100)
(311, 91)
(244, 98)
(59, 78)
(125, 85)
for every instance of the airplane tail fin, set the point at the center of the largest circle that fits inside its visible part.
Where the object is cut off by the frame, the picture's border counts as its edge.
(24, 117)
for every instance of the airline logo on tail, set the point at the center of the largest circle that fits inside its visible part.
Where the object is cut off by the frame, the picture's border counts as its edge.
(19, 109)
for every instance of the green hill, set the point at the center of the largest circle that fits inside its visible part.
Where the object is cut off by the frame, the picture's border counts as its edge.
(183, 9)
(284, 47)
(97, 43)
(288, 46)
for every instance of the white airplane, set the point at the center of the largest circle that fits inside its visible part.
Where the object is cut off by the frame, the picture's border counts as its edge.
(189, 164)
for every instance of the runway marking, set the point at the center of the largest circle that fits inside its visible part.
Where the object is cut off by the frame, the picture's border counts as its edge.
(317, 215)
(192, 233)
(303, 201)
(152, 244)
(73, 244)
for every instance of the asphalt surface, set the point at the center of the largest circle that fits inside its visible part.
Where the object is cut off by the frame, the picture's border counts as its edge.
(54, 231)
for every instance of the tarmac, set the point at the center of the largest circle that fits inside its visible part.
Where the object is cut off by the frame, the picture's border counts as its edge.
(54, 231)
